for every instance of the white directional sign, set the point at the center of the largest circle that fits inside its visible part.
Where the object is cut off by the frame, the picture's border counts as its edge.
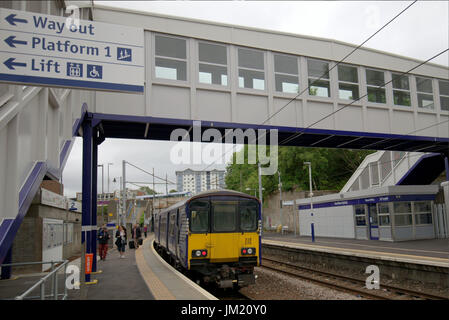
(37, 49)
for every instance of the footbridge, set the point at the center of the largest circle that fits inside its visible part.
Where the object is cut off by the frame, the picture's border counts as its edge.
(226, 77)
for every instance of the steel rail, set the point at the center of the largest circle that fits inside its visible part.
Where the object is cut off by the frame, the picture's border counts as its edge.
(391, 289)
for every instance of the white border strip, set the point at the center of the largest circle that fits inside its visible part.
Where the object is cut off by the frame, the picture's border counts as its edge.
(183, 277)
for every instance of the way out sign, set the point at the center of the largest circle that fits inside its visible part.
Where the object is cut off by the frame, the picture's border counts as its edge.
(44, 50)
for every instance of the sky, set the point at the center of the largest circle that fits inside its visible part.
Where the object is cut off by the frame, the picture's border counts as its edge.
(420, 32)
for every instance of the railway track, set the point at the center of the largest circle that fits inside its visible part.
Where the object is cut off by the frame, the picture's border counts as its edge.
(346, 284)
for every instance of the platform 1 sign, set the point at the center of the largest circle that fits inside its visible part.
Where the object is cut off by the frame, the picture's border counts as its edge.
(44, 50)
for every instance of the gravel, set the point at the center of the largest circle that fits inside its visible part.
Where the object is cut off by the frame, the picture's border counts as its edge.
(271, 285)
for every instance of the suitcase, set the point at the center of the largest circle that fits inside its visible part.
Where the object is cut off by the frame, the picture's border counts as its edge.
(140, 241)
(131, 245)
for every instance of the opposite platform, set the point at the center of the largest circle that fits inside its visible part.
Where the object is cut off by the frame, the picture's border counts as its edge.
(433, 252)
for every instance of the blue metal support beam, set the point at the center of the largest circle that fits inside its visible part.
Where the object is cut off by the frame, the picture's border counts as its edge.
(93, 219)
(86, 223)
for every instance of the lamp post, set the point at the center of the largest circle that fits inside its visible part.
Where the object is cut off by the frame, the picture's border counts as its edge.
(109, 164)
(312, 229)
(102, 190)
(255, 196)
(280, 198)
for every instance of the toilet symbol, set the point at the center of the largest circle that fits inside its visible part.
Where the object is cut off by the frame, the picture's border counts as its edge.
(94, 71)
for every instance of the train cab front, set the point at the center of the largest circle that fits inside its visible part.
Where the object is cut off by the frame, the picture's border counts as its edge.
(224, 239)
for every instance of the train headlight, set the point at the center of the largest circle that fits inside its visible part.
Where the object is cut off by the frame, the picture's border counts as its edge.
(199, 253)
(248, 251)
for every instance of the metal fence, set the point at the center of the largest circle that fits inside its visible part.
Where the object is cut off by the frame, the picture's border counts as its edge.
(51, 276)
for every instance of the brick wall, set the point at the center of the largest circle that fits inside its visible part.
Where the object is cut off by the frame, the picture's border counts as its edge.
(53, 186)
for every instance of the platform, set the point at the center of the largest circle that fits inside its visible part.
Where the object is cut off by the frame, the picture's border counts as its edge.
(434, 252)
(141, 275)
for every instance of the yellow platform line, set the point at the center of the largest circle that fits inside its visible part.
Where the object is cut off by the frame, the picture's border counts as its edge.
(380, 254)
(156, 287)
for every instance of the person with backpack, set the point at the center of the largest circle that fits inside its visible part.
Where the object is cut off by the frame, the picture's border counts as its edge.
(103, 239)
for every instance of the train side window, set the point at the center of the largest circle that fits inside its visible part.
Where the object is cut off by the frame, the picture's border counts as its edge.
(199, 216)
(248, 215)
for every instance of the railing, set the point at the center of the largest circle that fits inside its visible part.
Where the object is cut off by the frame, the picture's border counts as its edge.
(53, 274)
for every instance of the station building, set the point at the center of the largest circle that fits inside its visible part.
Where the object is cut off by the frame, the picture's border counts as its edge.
(377, 204)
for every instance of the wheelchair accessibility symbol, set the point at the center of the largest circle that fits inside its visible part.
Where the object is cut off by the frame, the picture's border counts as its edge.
(94, 71)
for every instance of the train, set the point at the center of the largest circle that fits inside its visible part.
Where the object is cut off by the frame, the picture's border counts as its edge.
(214, 236)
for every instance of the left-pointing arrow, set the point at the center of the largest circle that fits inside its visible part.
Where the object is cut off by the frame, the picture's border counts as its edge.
(12, 42)
(12, 19)
(10, 64)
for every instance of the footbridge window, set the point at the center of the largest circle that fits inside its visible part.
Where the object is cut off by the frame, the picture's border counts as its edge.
(286, 73)
(318, 69)
(374, 80)
(251, 69)
(401, 90)
(348, 87)
(171, 58)
(444, 94)
(213, 66)
(425, 93)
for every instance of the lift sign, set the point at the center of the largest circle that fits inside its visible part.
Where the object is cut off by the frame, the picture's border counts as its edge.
(44, 50)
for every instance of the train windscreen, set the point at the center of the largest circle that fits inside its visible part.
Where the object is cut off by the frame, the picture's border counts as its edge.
(199, 217)
(224, 215)
(248, 215)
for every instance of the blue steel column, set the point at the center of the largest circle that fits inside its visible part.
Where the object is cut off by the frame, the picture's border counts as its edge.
(93, 221)
(86, 234)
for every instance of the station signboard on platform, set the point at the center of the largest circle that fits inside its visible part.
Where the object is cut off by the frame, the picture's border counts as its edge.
(45, 50)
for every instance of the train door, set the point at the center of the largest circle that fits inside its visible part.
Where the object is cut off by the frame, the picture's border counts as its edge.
(373, 222)
(224, 242)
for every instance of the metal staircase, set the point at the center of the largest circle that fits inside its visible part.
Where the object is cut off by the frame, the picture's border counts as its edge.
(386, 168)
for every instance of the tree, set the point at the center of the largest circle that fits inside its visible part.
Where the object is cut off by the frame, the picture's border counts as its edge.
(147, 190)
(331, 168)
(172, 191)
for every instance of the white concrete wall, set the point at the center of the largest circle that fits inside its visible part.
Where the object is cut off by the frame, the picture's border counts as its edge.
(193, 100)
(328, 222)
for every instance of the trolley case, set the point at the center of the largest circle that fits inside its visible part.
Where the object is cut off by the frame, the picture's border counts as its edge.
(140, 241)
(131, 244)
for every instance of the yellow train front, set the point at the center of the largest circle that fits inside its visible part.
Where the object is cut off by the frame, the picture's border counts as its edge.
(215, 235)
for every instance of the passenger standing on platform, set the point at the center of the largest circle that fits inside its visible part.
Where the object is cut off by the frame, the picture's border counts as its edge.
(120, 241)
(145, 230)
(103, 239)
(137, 234)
